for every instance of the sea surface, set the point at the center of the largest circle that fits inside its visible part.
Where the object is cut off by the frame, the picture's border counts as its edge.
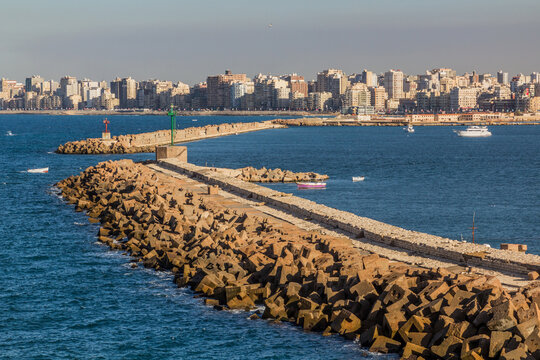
(64, 296)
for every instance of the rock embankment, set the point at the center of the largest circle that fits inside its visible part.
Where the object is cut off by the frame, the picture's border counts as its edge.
(312, 121)
(238, 258)
(146, 142)
(265, 175)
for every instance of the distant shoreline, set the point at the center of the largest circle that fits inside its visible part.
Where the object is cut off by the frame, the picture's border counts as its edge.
(163, 113)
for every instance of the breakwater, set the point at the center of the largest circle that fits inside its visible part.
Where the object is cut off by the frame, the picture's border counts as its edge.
(238, 257)
(381, 121)
(369, 229)
(146, 142)
(251, 174)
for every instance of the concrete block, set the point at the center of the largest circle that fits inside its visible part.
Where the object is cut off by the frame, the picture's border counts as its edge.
(346, 322)
(514, 247)
(533, 343)
(497, 341)
(169, 152)
(449, 345)
(369, 335)
(385, 345)
(533, 275)
(411, 350)
(503, 317)
(392, 322)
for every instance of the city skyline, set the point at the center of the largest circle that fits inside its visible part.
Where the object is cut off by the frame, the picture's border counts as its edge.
(184, 41)
(307, 77)
(438, 90)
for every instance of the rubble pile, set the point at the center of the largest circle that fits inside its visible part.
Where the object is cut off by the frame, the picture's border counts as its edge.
(265, 175)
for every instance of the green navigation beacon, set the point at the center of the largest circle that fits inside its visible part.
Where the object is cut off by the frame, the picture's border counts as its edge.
(172, 114)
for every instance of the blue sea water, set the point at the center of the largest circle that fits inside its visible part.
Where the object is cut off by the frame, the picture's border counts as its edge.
(63, 295)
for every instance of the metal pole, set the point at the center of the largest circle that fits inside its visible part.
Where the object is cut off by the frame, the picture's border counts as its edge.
(473, 227)
(172, 114)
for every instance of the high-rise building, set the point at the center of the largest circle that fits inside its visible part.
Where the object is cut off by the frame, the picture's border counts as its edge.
(502, 77)
(264, 91)
(115, 87)
(319, 101)
(128, 93)
(357, 95)
(218, 89)
(199, 96)
(34, 83)
(281, 97)
(238, 90)
(333, 81)
(463, 98)
(447, 84)
(369, 78)
(378, 97)
(393, 84)
(474, 78)
(7, 88)
(69, 86)
(297, 83)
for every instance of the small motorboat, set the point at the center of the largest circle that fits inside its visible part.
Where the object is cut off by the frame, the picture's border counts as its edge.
(409, 128)
(358, 178)
(38, 171)
(9, 133)
(474, 131)
(311, 185)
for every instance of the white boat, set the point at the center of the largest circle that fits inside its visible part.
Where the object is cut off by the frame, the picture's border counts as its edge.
(311, 185)
(474, 131)
(9, 133)
(358, 178)
(38, 171)
(409, 128)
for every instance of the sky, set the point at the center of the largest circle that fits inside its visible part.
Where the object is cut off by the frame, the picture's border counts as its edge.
(188, 40)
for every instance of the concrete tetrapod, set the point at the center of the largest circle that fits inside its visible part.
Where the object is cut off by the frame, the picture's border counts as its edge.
(239, 257)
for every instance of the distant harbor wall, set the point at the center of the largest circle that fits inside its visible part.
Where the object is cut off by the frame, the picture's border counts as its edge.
(372, 230)
(146, 142)
(401, 121)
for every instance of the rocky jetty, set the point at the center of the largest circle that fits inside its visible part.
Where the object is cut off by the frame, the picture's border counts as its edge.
(311, 121)
(238, 257)
(264, 175)
(147, 142)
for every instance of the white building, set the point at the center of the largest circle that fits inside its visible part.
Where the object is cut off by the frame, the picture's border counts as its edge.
(393, 84)
(238, 90)
(463, 98)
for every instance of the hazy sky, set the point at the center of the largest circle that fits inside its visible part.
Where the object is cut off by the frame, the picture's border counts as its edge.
(187, 40)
